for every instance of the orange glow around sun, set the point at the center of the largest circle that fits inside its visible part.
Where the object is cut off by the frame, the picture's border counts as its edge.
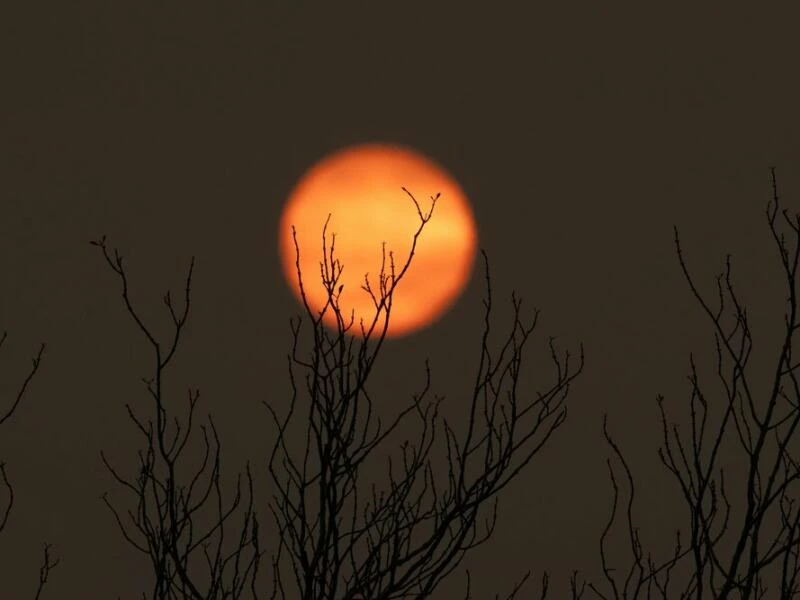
(360, 187)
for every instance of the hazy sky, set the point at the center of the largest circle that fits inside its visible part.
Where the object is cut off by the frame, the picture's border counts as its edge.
(581, 132)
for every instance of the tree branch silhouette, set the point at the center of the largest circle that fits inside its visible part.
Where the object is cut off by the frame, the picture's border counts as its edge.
(743, 537)
(343, 537)
(169, 522)
(48, 563)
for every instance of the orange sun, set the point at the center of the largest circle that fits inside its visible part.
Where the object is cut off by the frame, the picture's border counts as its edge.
(360, 187)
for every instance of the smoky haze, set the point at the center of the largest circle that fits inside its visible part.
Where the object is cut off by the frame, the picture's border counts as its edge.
(581, 135)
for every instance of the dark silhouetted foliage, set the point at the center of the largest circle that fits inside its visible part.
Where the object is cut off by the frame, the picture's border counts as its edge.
(741, 537)
(340, 535)
(48, 562)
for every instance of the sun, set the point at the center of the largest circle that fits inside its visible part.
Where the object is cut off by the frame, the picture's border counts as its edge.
(360, 190)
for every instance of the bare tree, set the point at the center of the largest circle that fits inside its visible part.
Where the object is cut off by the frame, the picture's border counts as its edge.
(742, 535)
(48, 563)
(177, 517)
(347, 538)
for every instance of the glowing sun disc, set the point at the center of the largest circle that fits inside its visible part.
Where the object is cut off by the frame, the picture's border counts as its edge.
(360, 187)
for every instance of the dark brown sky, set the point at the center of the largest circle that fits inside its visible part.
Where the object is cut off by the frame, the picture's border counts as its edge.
(581, 133)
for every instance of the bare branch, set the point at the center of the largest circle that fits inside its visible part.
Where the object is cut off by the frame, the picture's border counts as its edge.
(179, 521)
(727, 557)
(6, 483)
(343, 537)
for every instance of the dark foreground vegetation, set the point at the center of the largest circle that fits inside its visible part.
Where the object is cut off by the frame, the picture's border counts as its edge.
(338, 534)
